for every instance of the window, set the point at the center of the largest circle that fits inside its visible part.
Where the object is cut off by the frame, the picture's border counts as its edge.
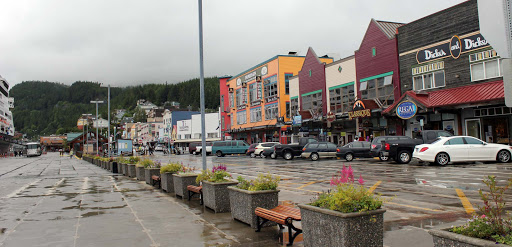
(222, 103)
(231, 100)
(429, 80)
(294, 106)
(473, 141)
(188, 136)
(256, 114)
(485, 65)
(255, 92)
(271, 111)
(270, 86)
(231, 118)
(341, 99)
(374, 52)
(455, 141)
(241, 117)
(357, 145)
(331, 146)
(287, 83)
(312, 101)
(238, 97)
(288, 109)
(380, 88)
(212, 135)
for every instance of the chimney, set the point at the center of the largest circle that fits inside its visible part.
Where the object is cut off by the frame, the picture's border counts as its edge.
(292, 53)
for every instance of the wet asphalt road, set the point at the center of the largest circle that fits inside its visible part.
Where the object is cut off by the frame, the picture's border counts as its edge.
(57, 201)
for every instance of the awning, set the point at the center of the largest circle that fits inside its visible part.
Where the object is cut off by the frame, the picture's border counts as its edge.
(472, 94)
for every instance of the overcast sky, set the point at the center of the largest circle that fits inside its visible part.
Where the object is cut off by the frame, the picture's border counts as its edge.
(125, 42)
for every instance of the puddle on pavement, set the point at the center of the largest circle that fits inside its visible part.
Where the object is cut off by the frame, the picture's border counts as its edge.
(3, 230)
(425, 223)
(92, 214)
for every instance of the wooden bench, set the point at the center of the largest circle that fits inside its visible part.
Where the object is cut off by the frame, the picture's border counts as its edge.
(192, 190)
(156, 180)
(282, 215)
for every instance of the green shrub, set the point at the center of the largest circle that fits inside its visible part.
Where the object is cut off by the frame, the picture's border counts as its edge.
(262, 182)
(146, 163)
(349, 198)
(133, 160)
(218, 176)
(172, 168)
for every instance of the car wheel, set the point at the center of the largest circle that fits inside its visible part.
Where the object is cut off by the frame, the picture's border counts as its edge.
(349, 157)
(288, 155)
(314, 156)
(273, 155)
(194, 153)
(219, 153)
(442, 159)
(253, 155)
(262, 155)
(404, 157)
(383, 158)
(503, 156)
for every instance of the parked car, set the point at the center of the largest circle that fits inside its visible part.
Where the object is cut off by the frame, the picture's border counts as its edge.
(251, 149)
(258, 150)
(192, 147)
(354, 150)
(221, 148)
(318, 150)
(199, 147)
(159, 147)
(269, 152)
(400, 148)
(288, 151)
(462, 149)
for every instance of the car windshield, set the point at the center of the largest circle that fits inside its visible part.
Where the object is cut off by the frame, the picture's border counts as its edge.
(436, 141)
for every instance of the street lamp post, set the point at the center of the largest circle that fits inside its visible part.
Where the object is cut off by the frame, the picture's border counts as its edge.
(86, 118)
(201, 83)
(97, 139)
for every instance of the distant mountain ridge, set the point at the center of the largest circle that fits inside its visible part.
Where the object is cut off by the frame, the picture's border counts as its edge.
(44, 108)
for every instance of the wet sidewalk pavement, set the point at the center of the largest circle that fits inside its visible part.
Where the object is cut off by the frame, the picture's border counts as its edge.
(64, 202)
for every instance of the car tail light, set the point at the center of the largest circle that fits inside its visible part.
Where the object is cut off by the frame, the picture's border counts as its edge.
(423, 149)
(374, 146)
(337, 150)
(304, 149)
(387, 146)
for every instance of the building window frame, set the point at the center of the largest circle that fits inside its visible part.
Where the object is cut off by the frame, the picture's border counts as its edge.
(483, 58)
(241, 117)
(341, 98)
(255, 114)
(287, 83)
(271, 111)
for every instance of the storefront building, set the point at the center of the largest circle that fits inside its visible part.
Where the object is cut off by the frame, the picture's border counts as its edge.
(451, 80)
(256, 102)
(377, 78)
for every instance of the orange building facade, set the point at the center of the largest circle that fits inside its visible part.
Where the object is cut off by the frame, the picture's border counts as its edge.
(255, 104)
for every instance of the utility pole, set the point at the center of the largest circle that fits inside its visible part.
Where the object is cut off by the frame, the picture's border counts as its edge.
(108, 134)
(97, 139)
(201, 83)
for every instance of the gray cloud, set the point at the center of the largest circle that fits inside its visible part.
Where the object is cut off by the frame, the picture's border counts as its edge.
(126, 42)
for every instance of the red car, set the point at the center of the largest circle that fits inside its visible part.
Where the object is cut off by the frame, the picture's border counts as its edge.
(251, 150)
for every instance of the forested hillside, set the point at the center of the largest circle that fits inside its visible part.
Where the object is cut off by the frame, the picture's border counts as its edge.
(44, 108)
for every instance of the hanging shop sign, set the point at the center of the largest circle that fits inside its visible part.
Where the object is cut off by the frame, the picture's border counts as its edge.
(251, 76)
(406, 110)
(359, 111)
(297, 121)
(331, 117)
(454, 48)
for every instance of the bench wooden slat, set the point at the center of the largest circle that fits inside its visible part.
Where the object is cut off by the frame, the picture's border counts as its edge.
(155, 177)
(196, 189)
(282, 215)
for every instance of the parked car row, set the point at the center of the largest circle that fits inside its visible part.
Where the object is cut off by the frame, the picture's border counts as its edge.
(435, 146)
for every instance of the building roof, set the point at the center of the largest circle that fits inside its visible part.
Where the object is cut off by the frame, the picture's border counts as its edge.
(389, 28)
(472, 94)
(72, 135)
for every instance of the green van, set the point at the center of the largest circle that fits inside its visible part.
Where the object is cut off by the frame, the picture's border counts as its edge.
(221, 148)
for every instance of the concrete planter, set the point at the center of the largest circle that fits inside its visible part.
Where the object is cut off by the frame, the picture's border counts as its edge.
(131, 170)
(181, 182)
(216, 196)
(244, 202)
(150, 172)
(124, 169)
(141, 173)
(110, 166)
(324, 227)
(167, 182)
(445, 238)
(120, 167)
(115, 167)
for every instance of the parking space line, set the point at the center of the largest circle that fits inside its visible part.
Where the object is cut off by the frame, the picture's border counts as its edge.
(310, 183)
(465, 202)
(411, 206)
(374, 187)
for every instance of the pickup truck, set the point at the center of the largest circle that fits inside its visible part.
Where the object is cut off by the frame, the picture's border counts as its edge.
(400, 148)
(208, 148)
(289, 151)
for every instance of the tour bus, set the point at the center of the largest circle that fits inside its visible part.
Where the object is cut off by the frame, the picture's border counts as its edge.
(34, 149)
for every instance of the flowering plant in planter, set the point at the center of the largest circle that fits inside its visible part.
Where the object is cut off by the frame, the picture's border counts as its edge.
(146, 163)
(491, 224)
(347, 196)
(187, 170)
(133, 160)
(171, 167)
(218, 174)
(262, 182)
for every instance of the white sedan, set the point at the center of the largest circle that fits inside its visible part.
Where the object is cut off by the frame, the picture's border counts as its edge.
(462, 149)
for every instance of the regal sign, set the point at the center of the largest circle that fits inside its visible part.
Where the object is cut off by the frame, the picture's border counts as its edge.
(359, 111)
(454, 48)
(406, 110)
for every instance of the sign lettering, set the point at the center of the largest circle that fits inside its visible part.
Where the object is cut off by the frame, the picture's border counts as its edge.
(359, 114)
(406, 110)
(454, 48)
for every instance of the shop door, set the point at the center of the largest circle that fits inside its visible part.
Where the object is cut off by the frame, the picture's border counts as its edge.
(473, 128)
(496, 130)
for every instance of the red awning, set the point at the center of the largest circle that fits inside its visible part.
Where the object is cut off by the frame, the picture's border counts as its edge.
(472, 94)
